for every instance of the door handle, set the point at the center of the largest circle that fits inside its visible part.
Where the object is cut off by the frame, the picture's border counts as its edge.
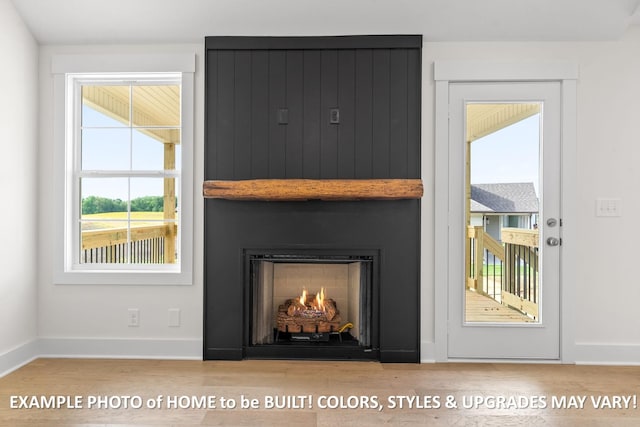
(553, 241)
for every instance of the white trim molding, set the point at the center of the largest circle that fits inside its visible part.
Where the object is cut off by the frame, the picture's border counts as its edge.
(607, 354)
(119, 63)
(567, 73)
(18, 357)
(61, 67)
(122, 348)
(504, 71)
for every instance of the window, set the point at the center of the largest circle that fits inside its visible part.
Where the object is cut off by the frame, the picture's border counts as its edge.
(126, 143)
(127, 181)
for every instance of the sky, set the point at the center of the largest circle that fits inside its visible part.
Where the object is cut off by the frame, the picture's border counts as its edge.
(508, 155)
(106, 145)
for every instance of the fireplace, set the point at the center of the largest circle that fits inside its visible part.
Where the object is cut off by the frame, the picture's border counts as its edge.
(312, 174)
(246, 239)
(305, 302)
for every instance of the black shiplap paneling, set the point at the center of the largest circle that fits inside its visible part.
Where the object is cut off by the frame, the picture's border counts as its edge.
(259, 115)
(376, 90)
(211, 119)
(277, 100)
(226, 114)
(346, 102)
(328, 100)
(364, 114)
(242, 143)
(414, 89)
(398, 143)
(294, 102)
(311, 114)
(381, 144)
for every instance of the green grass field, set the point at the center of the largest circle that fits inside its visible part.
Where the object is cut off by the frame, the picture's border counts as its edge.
(491, 269)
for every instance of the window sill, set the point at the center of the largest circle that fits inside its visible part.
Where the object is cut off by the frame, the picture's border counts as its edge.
(110, 277)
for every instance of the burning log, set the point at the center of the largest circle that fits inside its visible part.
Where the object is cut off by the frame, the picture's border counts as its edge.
(309, 314)
(294, 306)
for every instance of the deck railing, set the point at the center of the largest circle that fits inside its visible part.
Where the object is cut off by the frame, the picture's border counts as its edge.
(485, 258)
(507, 272)
(152, 244)
(522, 278)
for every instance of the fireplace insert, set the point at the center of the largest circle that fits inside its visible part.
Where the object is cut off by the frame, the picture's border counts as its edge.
(304, 303)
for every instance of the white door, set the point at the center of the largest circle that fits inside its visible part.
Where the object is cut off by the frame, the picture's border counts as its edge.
(504, 164)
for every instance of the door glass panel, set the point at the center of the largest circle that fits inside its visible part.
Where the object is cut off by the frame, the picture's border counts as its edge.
(502, 262)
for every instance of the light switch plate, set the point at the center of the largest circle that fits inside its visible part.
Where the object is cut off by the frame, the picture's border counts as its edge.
(608, 207)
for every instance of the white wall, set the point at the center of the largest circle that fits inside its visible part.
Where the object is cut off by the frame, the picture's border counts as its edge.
(607, 157)
(92, 319)
(18, 173)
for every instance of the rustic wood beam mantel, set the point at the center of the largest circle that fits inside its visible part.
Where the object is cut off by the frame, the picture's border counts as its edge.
(314, 189)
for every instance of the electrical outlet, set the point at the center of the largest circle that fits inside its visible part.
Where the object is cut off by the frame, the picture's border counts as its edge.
(134, 317)
(174, 317)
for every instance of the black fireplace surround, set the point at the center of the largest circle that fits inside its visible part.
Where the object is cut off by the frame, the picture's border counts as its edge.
(386, 231)
(389, 229)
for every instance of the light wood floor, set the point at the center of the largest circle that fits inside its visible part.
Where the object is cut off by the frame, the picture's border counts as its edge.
(364, 380)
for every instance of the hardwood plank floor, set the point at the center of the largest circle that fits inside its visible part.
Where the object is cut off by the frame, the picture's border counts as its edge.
(505, 394)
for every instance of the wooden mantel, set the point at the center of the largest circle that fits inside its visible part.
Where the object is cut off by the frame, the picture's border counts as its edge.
(314, 189)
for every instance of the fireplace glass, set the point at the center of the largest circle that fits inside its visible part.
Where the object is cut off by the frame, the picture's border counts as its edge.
(311, 300)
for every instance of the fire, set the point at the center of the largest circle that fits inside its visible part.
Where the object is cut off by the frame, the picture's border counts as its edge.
(318, 302)
(314, 311)
(303, 297)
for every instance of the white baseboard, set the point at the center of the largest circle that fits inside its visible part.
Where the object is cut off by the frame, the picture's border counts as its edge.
(100, 348)
(427, 352)
(121, 348)
(19, 356)
(607, 354)
(586, 354)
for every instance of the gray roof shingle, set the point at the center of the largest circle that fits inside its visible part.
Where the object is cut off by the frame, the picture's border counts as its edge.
(504, 198)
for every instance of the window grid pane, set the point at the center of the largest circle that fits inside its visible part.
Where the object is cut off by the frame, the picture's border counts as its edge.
(129, 174)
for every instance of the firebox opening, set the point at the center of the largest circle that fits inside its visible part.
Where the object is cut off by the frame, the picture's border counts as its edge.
(312, 302)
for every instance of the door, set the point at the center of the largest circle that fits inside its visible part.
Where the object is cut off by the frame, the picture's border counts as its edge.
(504, 220)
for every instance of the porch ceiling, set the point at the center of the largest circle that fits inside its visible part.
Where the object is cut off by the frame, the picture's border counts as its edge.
(155, 108)
(485, 119)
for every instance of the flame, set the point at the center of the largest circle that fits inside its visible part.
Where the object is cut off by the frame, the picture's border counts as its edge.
(318, 302)
(303, 298)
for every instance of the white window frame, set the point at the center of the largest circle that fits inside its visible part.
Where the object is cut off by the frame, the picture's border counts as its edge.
(67, 71)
